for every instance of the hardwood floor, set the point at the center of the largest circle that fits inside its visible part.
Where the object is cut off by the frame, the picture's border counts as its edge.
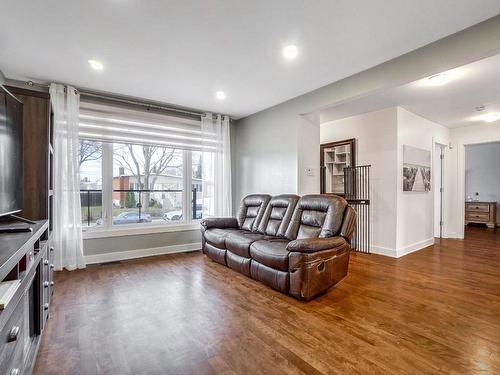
(433, 311)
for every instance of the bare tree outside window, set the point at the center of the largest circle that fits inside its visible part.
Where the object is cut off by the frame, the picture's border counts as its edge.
(90, 150)
(146, 163)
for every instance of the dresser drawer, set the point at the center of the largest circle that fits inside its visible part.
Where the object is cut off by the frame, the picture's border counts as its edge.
(16, 364)
(477, 216)
(12, 340)
(479, 207)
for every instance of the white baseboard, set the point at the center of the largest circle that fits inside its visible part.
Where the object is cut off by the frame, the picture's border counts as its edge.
(386, 251)
(402, 251)
(452, 235)
(114, 256)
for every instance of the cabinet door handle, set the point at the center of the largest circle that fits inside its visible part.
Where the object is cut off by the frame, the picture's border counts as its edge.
(51, 283)
(46, 262)
(45, 306)
(51, 249)
(46, 284)
(52, 266)
(14, 331)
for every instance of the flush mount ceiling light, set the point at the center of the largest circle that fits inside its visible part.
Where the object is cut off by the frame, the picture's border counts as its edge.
(290, 52)
(96, 65)
(221, 95)
(490, 117)
(443, 78)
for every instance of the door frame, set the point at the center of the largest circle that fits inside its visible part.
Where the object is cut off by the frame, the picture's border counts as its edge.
(461, 177)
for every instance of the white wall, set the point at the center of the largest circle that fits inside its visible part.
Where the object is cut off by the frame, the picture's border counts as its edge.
(482, 172)
(415, 210)
(376, 144)
(308, 141)
(401, 222)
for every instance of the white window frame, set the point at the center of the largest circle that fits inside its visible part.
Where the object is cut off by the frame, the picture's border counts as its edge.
(107, 229)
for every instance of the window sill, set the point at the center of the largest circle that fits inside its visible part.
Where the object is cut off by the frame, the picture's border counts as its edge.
(133, 230)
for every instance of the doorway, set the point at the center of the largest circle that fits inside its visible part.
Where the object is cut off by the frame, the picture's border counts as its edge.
(482, 179)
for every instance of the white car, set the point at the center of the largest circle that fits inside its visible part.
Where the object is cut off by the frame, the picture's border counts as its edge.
(172, 215)
(177, 214)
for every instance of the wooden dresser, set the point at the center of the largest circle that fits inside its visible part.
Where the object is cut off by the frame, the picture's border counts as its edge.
(482, 213)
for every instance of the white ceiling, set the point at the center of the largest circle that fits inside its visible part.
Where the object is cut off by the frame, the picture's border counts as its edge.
(452, 105)
(182, 52)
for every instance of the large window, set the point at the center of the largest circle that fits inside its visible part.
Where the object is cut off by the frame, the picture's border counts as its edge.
(141, 167)
(129, 184)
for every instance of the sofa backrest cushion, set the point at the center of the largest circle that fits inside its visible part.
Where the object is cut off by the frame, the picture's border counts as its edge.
(251, 210)
(317, 216)
(278, 214)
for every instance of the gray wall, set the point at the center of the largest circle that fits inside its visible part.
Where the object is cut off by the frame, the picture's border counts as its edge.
(268, 145)
(482, 172)
(2, 78)
(143, 241)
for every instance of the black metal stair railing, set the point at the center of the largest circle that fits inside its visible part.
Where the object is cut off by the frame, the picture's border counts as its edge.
(357, 194)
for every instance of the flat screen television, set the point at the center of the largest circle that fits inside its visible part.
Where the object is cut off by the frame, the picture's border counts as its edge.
(11, 153)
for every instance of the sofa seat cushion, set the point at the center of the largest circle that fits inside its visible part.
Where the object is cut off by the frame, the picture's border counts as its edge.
(216, 237)
(271, 252)
(238, 241)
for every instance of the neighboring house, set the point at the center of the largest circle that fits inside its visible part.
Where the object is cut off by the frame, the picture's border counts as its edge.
(167, 199)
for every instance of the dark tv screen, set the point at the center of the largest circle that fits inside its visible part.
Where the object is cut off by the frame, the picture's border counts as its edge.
(11, 153)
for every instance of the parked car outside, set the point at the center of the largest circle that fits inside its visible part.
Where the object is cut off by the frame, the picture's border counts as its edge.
(128, 217)
(172, 215)
(177, 214)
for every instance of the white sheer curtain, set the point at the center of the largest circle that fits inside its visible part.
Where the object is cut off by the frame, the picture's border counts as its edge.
(216, 166)
(68, 243)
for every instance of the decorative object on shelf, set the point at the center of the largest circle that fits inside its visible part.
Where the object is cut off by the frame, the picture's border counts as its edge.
(334, 157)
(7, 290)
(416, 169)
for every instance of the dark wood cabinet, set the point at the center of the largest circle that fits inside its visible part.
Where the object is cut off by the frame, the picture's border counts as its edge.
(36, 152)
(29, 257)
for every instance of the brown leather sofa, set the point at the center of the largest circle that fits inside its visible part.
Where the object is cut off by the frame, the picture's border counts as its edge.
(299, 246)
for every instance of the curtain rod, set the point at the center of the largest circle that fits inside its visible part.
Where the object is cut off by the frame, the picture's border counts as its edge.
(119, 99)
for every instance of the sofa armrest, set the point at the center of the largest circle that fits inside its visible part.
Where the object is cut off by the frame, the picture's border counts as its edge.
(311, 245)
(219, 222)
(348, 224)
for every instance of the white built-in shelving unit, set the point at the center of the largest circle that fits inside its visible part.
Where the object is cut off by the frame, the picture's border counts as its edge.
(336, 158)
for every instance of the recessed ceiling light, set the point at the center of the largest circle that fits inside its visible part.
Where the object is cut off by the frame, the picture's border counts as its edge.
(290, 52)
(490, 117)
(96, 65)
(443, 78)
(221, 95)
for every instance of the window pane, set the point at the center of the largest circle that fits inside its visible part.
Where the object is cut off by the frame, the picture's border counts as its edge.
(196, 186)
(147, 184)
(90, 158)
